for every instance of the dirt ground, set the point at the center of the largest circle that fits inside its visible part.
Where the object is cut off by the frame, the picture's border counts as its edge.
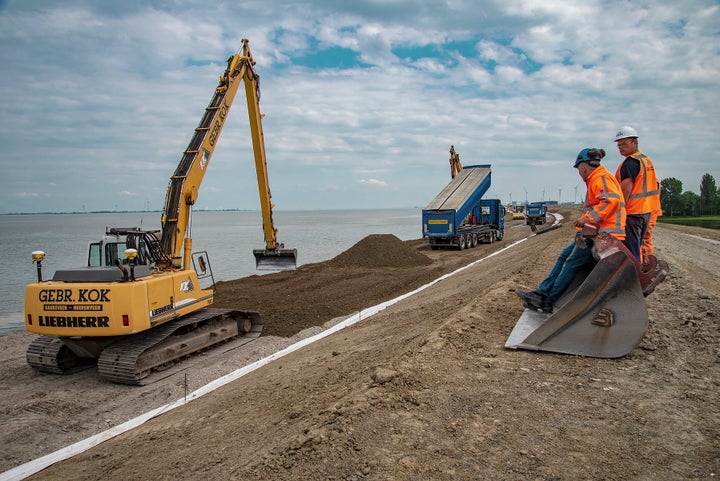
(422, 390)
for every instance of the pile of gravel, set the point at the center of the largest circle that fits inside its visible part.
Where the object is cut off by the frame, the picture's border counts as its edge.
(380, 250)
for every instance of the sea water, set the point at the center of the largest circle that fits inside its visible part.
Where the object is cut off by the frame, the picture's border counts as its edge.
(228, 237)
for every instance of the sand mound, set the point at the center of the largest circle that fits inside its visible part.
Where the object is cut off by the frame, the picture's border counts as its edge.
(380, 250)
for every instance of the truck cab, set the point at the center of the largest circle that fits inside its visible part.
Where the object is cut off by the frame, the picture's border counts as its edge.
(535, 214)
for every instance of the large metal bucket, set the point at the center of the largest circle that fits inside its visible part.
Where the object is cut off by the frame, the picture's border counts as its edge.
(605, 316)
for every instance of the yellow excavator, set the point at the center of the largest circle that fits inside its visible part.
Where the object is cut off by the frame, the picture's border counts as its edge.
(141, 304)
(455, 165)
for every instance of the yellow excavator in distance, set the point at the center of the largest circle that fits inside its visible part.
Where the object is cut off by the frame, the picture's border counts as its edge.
(141, 303)
(455, 165)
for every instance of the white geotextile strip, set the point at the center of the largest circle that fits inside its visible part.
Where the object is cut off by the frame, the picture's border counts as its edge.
(712, 241)
(32, 467)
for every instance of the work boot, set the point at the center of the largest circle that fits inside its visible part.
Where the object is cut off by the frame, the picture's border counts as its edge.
(532, 299)
(547, 307)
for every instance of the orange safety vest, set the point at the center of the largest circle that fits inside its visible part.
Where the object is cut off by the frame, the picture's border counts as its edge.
(645, 193)
(604, 203)
(655, 201)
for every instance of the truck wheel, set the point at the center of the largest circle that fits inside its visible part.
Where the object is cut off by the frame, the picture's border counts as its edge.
(474, 239)
(462, 242)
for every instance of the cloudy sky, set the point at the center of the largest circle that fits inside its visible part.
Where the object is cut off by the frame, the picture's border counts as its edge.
(362, 98)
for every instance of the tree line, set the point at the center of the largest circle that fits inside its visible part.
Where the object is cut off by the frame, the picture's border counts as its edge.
(675, 202)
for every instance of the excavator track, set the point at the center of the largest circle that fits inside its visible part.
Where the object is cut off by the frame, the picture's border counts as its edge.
(50, 354)
(134, 360)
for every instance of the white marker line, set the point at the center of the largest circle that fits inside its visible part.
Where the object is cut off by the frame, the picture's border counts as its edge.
(712, 241)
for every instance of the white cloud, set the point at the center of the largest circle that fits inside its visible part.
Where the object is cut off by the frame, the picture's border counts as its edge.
(104, 98)
(375, 182)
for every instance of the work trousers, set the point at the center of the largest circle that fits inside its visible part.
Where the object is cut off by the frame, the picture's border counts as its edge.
(571, 260)
(635, 227)
(647, 247)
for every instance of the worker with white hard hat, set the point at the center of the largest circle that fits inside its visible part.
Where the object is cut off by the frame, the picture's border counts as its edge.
(640, 188)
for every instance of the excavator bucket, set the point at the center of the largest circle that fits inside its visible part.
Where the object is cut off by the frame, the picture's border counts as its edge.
(275, 259)
(604, 316)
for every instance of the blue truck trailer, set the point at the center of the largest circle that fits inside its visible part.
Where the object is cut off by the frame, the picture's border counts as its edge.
(459, 217)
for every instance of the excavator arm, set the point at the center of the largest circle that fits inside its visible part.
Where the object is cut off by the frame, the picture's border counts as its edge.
(455, 165)
(274, 256)
(175, 242)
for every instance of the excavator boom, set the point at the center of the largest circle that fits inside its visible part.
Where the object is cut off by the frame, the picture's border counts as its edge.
(185, 182)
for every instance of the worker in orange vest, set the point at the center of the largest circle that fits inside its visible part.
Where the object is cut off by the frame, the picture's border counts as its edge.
(604, 207)
(640, 188)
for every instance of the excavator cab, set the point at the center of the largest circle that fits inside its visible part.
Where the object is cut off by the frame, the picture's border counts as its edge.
(603, 313)
(111, 248)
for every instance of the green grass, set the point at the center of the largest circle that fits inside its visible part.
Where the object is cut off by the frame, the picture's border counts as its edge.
(707, 221)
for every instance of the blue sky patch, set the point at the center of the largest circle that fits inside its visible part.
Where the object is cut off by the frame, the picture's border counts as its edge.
(330, 58)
